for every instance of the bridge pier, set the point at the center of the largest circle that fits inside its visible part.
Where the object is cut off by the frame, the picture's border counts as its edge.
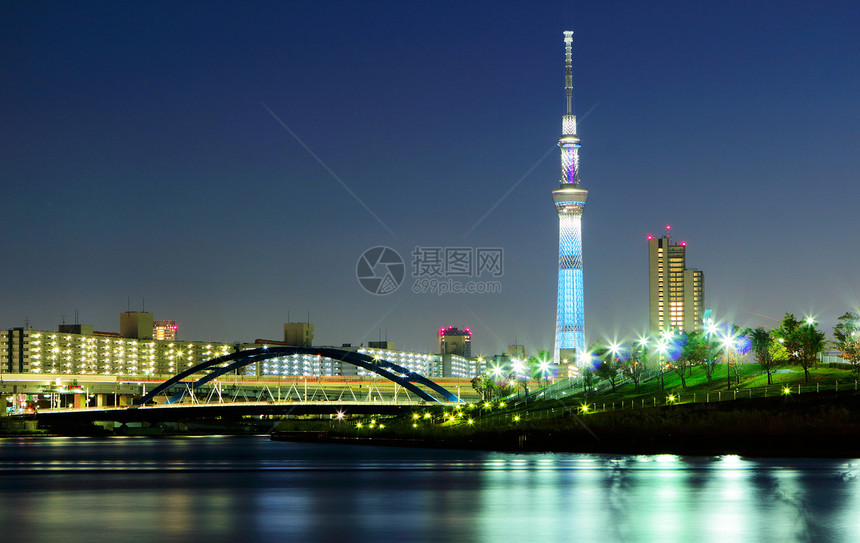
(3, 399)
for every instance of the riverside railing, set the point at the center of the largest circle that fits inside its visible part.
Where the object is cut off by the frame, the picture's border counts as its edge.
(538, 411)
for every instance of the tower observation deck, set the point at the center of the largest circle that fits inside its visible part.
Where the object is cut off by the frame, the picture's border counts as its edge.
(569, 201)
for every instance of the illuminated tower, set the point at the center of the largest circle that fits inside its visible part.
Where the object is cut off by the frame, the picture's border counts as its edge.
(569, 201)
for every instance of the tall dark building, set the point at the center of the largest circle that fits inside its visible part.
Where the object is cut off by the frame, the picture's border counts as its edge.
(452, 340)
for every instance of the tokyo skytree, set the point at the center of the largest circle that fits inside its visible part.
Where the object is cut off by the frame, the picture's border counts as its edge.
(569, 201)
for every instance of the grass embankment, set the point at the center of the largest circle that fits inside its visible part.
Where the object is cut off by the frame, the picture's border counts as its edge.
(819, 421)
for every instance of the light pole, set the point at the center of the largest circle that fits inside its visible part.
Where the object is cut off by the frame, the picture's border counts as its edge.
(544, 370)
(641, 358)
(728, 347)
(662, 351)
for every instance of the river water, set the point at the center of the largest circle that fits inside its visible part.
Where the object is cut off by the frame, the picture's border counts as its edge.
(252, 489)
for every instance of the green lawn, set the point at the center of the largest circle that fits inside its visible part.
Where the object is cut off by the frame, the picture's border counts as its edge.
(753, 384)
(751, 377)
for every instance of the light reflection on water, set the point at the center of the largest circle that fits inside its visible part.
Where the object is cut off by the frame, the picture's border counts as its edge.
(228, 489)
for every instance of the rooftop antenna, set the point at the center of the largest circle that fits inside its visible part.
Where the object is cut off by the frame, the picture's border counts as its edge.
(668, 234)
(288, 315)
(128, 310)
(568, 64)
(63, 318)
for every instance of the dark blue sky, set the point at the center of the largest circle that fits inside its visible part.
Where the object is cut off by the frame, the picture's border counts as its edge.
(140, 160)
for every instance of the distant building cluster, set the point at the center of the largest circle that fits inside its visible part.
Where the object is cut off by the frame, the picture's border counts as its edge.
(77, 349)
(145, 347)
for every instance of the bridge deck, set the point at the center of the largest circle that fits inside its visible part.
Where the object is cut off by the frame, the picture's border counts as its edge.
(186, 411)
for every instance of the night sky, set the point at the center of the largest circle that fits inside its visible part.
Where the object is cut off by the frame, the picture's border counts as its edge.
(227, 163)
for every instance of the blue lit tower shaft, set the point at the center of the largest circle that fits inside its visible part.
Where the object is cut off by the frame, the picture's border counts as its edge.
(569, 201)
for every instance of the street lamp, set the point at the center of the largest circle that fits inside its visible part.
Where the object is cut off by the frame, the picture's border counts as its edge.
(544, 369)
(662, 351)
(729, 348)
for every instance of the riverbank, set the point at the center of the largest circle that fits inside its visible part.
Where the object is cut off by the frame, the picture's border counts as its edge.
(822, 425)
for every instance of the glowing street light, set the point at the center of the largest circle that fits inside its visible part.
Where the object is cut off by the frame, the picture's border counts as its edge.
(583, 358)
(544, 368)
(615, 348)
(728, 342)
(662, 351)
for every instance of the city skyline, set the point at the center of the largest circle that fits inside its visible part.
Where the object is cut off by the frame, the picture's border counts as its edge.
(231, 171)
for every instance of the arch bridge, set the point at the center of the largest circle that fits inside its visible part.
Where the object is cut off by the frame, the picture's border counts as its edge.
(225, 364)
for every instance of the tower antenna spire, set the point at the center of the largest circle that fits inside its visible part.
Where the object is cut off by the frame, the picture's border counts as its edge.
(569, 201)
(568, 63)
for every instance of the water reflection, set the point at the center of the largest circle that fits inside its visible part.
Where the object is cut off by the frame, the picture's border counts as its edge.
(227, 489)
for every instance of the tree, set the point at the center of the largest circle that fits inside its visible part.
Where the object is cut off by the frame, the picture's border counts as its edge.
(479, 385)
(802, 340)
(679, 364)
(786, 334)
(635, 365)
(710, 347)
(486, 386)
(762, 344)
(694, 350)
(812, 343)
(847, 334)
(608, 369)
(587, 380)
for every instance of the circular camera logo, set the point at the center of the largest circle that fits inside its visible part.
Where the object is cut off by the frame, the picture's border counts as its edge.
(380, 270)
